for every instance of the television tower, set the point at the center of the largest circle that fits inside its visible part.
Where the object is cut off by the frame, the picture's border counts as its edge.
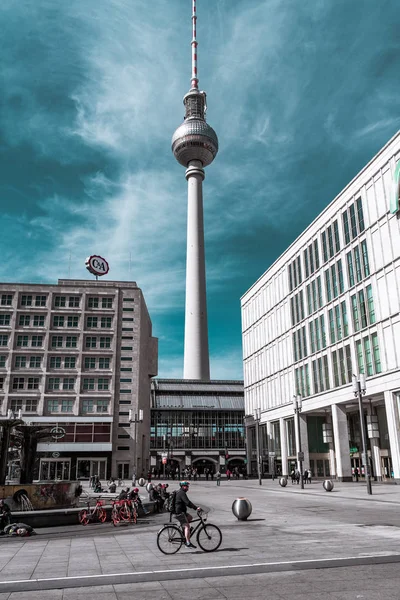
(195, 145)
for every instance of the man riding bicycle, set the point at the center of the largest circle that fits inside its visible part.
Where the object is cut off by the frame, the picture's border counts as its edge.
(182, 503)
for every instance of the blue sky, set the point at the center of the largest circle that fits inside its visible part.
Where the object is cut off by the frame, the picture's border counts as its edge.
(301, 95)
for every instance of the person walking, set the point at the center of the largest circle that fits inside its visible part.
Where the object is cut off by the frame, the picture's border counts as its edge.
(218, 476)
(134, 478)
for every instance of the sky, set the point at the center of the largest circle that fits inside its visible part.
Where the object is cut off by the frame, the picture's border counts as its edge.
(301, 94)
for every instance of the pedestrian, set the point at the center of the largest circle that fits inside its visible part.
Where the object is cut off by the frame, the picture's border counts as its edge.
(309, 476)
(218, 476)
(293, 476)
(305, 476)
(297, 476)
(133, 478)
(356, 473)
(212, 474)
(206, 472)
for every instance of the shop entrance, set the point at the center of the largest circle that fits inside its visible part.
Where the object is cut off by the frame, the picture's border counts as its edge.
(53, 469)
(90, 467)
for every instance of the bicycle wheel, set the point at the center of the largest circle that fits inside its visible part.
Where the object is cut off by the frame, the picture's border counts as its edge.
(209, 538)
(125, 513)
(115, 518)
(83, 517)
(169, 539)
(102, 515)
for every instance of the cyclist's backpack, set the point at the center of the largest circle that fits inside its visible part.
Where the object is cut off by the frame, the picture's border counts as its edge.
(172, 502)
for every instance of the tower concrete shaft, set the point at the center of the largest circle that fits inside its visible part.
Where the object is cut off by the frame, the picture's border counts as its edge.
(196, 356)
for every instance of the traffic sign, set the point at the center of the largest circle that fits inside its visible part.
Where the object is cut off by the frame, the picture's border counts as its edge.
(300, 456)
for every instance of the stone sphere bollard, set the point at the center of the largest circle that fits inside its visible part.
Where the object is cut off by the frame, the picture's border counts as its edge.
(328, 485)
(149, 487)
(141, 482)
(242, 508)
(283, 481)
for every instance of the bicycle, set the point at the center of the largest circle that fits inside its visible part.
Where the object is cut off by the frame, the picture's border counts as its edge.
(123, 510)
(97, 512)
(171, 537)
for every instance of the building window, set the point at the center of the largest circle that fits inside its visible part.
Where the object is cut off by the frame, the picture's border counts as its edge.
(35, 362)
(320, 374)
(342, 367)
(40, 300)
(56, 341)
(3, 359)
(68, 383)
(67, 405)
(103, 384)
(59, 301)
(53, 384)
(126, 309)
(125, 319)
(344, 319)
(102, 406)
(24, 320)
(90, 362)
(126, 380)
(16, 404)
(38, 320)
(26, 300)
(105, 342)
(126, 358)
(88, 384)
(6, 299)
(20, 362)
(128, 299)
(52, 405)
(106, 302)
(93, 303)
(72, 321)
(73, 301)
(58, 321)
(360, 215)
(346, 230)
(55, 362)
(375, 349)
(106, 322)
(91, 322)
(368, 356)
(91, 342)
(370, 301)
(126, 348)
(126, 369)
(22, 340)
(71, 341)
(87, 405)
(37, 341)
(5, 319)
(69, 362)
(353, 221)
(18, 383)
(363, 309)
(302, 381)
(31, 405)
(104, 363)
(33, 383)
(365, 261)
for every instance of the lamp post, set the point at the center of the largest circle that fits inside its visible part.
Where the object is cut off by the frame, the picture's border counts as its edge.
(257, 417)
(297, 406)
(359, 389)
(136, 418)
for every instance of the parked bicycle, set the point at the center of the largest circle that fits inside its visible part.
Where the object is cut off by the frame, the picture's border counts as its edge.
(93, 513)
(171, 537)
(123, 510)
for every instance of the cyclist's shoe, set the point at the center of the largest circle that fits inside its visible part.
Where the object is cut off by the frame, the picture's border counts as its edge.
(190, 545)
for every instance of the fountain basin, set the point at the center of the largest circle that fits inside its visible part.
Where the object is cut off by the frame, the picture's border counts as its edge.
(39, 496)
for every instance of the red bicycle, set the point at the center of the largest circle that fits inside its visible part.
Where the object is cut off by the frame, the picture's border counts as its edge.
(123, 510)
(93, 513)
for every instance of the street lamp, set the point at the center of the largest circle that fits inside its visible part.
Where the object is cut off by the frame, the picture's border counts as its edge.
(136, 418)
(297, 405)
(360, 388)
(257, 417)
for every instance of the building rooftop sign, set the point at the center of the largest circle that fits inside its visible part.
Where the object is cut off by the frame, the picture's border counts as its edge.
(97, 265)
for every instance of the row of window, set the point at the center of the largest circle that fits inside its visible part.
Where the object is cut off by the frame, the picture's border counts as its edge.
(58, 301)
(363, 315)
(357, 270)
(58, 383)
(57, 341)
(64, 405)
(368, 362)
(57, 362)
(353, 225)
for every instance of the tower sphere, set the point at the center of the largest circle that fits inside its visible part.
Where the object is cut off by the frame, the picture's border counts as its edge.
(195, 140)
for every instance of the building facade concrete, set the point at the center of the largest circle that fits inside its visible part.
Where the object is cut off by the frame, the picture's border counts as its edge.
(77, 358)
(328, 308)
(197, 424)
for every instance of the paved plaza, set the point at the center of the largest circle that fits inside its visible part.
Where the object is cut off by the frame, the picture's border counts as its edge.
(296, 544)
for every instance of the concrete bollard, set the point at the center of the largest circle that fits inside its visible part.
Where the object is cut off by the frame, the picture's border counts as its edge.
(242, 508)
(283, 481)
(141, 482)
(149, 487)
(328, 485)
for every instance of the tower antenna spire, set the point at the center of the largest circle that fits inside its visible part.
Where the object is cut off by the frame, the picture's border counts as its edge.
(195, 81)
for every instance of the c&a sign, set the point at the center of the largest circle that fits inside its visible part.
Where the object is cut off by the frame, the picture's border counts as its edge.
(97, 265)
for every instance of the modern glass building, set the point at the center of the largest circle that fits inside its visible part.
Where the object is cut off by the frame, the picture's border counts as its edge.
(328, 308)
(197, 423)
